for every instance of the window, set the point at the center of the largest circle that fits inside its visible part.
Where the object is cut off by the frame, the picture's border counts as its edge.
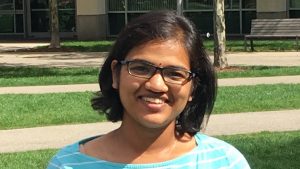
(6, 5)
(294, 4)
(202, 20)
(232, 23)
(67, 20)
(247, 17)
(19, 23)
(39, 4)
(40, 20)
(294, 9)
(19, 4)
(116, 5)
(238, 13)
(11, 16)
(232, 4)
(116, 22)
(197, 4)
(7, 23)
(120, 12)
(249, 4)
(147, 5)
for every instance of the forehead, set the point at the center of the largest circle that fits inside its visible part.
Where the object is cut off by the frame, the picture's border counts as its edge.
(161, 52)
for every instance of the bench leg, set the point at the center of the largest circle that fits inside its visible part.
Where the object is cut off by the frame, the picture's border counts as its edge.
(251, 44)
(245, 44)
(297, 43)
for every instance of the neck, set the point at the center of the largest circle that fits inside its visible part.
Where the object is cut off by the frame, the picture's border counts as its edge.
(142, 139)
(145, 144)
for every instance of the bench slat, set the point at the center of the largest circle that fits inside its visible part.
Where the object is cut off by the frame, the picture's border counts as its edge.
(283, 32)
(274, 29)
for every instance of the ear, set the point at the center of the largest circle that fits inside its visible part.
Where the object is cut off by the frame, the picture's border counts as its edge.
(191, 93)
(115, 78)
(190, 98)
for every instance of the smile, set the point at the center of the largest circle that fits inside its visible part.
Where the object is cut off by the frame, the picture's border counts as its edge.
(153, 100)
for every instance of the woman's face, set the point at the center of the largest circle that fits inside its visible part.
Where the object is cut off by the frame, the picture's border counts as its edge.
(153, 103)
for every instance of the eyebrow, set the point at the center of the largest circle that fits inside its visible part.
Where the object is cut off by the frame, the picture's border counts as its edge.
(171, 66)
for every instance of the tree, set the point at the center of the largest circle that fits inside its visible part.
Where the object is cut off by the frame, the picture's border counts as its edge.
(220, 59)
(54, 24)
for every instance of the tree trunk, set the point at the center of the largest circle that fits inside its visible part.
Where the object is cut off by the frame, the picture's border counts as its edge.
(220, 59)
(54, 24)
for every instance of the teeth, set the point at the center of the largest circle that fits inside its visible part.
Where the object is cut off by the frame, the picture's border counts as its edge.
(153, 100)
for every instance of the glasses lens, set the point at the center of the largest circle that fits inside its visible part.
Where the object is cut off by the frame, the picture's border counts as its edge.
(140, 69)
(146, 70)
(176, 76)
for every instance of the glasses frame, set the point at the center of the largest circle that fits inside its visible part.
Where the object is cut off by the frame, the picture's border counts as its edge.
(157, 68)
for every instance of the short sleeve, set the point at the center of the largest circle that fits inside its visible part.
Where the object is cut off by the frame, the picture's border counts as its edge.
(236, 159)
(54, 163)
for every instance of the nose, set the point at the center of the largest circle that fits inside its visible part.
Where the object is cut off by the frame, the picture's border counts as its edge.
(156, 83)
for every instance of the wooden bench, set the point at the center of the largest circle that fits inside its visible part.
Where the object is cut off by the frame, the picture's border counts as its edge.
(273, 29)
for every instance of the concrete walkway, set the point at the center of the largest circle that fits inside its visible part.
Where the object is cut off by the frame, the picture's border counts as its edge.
(79, 59)
(13, 46)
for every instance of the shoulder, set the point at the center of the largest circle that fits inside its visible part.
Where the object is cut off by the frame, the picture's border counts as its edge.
(65, 155)
(221, 151)
(70, 156)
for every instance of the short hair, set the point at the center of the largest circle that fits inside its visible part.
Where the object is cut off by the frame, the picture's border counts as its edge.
(162, 25)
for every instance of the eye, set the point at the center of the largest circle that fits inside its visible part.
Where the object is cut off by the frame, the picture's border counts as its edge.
(139, 68)
(174, 74)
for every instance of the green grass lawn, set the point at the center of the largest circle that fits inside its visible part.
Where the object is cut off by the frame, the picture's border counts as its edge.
(30, 76)
(259, 45)
(259, 71)
(266, 150)
(231, 45)
(257, 98)
(26, 160)
(18, 110)
(88, 46)
(269, 150)
(30, 110)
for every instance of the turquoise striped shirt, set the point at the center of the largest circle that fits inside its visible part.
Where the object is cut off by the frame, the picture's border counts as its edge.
(210, 153)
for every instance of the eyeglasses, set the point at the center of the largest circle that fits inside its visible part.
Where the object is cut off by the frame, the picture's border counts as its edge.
(146, 70)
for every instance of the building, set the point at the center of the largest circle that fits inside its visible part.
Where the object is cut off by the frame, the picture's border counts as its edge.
(100, 19)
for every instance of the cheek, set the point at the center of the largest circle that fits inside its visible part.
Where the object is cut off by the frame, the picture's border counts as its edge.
(128, 86)
(185, 92)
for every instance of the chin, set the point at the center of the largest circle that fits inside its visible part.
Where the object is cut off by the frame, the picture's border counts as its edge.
(156, 123)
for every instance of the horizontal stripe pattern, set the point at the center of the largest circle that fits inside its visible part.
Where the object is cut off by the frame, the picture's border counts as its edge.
(211, 153)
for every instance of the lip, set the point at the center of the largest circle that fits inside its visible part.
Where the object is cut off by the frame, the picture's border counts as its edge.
(153, 103)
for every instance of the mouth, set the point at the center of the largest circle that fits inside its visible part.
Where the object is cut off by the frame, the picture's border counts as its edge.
(153, 100)
(154, 103)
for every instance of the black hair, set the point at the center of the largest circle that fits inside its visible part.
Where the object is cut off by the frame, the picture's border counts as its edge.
(162, 25)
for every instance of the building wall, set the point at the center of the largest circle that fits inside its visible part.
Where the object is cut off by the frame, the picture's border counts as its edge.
(272, 9)
(91, 19)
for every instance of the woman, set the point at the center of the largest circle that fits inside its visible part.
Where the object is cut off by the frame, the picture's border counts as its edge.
(159, 82)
